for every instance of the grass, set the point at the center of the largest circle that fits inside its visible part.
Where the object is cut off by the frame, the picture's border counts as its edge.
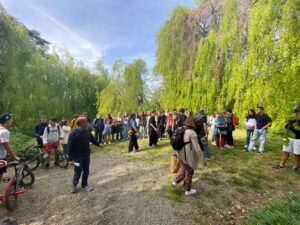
(230, 186)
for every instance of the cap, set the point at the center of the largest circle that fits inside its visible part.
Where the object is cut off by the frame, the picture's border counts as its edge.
(5, 117)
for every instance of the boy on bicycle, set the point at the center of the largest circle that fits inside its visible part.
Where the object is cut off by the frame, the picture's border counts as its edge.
(52, 135)
(5, 122)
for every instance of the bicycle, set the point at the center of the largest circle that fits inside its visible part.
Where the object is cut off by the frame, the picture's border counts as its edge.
(15, 186)
(33, 160)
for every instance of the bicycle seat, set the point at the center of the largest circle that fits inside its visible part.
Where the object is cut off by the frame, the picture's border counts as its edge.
(14, 163)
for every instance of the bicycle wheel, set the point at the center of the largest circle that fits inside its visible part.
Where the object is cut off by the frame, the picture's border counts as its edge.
(63, 161)
(32, 161)
(27, 178)
(11, 198)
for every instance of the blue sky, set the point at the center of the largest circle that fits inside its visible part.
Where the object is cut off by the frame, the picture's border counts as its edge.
(91, 29)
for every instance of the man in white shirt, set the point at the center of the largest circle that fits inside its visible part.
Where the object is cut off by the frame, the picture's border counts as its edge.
(5, 122)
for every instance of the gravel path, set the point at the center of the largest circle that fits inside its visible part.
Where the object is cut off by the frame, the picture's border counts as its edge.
(125, 192)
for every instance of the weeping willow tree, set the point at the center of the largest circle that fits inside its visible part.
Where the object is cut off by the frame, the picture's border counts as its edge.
(246, 54)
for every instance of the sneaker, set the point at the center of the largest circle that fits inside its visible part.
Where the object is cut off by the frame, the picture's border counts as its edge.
(174, 184)
(191, 192)
(227, 146)
(246, 147)
(87, 188)
(73, 189)
(279, 167)
(230, 146)
(109, 143)
(296, 170)
(254, 148)
(214, 143)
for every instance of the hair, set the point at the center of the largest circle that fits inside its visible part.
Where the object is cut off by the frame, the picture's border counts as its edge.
(64, 122)
(296, 110)
(251, 116)
(260, 107)
(53, 119)
(80, 119)
(229, 110)
(43, 117)
(182, 110)
(190, 122)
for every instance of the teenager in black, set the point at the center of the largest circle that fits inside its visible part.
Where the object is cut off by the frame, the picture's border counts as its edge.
(153, 137)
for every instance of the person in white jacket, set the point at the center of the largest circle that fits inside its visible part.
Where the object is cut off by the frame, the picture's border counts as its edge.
(66, 129)
(250, 123)
(52, 134)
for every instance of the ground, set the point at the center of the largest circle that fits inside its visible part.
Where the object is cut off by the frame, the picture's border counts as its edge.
(135, 188)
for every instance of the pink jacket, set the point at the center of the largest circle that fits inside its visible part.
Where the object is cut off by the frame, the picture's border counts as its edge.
(170, 122)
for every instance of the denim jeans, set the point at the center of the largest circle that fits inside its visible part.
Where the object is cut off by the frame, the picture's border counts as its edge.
(204, 147)
(249, 132)
(261, 134)
(65, 148)
(84, 169)
(125, 131)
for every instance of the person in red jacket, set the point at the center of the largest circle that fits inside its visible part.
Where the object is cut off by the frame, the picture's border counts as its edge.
(170, 124)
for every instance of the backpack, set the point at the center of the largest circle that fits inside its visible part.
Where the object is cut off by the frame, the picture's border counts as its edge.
(235, 120)
(58, 128)
(177, 140)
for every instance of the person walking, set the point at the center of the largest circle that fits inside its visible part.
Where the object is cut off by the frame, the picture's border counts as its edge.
(263, 122)
(202, 132)
(153, 137)
(66, 129)
(79, 153)
(250, 123)
(189, 157)
(133, 130)
(220, 130)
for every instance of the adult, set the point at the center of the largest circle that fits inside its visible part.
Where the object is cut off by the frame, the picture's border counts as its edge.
(125, 126)
(73, 124)
(170, 125)
(39, 131)
(161, 123)
(107, 129)
(143, 127)
(51, 137)
(202, 132)
(153, 137)
(133, 130)
(180, 118)
(293, 132)
(230, 128)
(212, 124)
(79, 153)
(98, 126)
(120, 126)
(189, 157)
(66, 129)
(263, 122)
(220, 130)
(250, 123)
(5, 148)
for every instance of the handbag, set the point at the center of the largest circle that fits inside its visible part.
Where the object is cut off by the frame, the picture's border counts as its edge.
(174, 164)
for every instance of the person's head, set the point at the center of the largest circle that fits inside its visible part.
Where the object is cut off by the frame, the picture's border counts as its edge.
(229, 111)
(153, 113)
(201, 111)
(6, 120)
(75, 116)
(296, 112)
(119, 114)
(65, 122)
(52, 121)
(126, 114)
(82, 122)
(190, 122)
(260, 109)
(132, 116)
(251, 113)
(44, 119)
(182, 110)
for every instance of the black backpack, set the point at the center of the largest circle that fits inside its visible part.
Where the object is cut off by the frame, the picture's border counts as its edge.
(177, 139)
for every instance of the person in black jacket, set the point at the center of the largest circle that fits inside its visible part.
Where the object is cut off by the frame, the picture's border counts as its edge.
(39, 130)
(180, 118)
(161, 123)
(98, 126)
(79, 153)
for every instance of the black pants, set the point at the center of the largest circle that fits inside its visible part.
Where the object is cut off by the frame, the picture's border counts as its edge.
(98, 135)
(133, 143)
(152, 137)
(84, 169)
(170, 133)
(161, 131)
(120, 132)
(229, 138)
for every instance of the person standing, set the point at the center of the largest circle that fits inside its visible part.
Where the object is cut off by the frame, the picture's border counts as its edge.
(120, 124)
(263, 122)
(5, 148)
(73, 121)
(51, 137)
(39, 131)
(98, 126)
(66, 129)
(220, 130)
(180, 118)
(189, 157)
(133, 130)
(250, 123)
(153, 137)
(107, 129)
(161, 122)
(230, 128)
(202, 132)
(213, 127)
(170, 125)
(125, 126)
(79, 153)
(293, 133)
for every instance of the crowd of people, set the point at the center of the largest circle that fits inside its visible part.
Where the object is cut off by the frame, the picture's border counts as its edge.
(74, 137)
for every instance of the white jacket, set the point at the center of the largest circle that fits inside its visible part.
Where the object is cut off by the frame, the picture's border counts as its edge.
(55, 134)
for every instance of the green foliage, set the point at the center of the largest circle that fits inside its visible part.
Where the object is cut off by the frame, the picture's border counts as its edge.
(33, 82)
(280, 212)
(249, 58)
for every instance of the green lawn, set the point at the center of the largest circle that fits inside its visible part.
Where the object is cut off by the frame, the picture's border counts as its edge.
(231, 187)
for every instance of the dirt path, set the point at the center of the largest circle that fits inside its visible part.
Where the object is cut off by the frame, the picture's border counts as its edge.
(125, 192)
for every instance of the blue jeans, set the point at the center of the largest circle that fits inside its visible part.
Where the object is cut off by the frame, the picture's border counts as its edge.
(249, 132)
(65, 149)
(125, 131)
(204, 147)
(84, 169)
(261, 134)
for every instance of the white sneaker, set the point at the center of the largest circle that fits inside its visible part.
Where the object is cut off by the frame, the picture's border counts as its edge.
(254, 148)
(214, 143)
(109, 143)
(174, 184)
(191, 192)
(227, 146)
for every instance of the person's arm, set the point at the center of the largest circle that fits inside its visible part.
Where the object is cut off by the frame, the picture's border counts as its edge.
(205, 129)
(268, 124)
(195, 143)
(36, 132)
(93, 140)
(3, 163)
(10, 151)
